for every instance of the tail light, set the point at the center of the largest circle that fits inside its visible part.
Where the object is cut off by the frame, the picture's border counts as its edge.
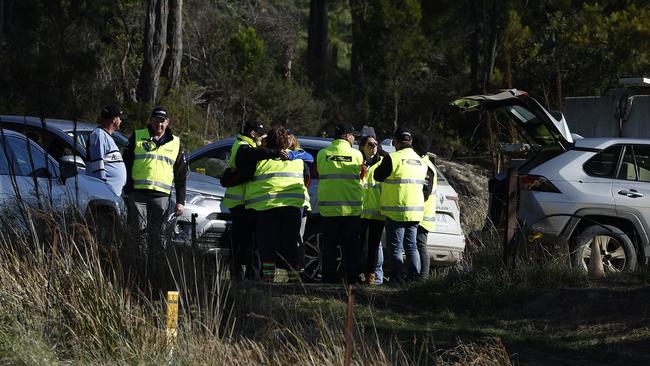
(536, 183)
(452, 198)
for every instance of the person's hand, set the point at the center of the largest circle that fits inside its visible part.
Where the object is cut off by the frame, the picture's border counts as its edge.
(284, 155)
(179, 209)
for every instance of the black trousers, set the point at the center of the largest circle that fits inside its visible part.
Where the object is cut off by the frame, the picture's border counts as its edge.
(242, 249)
(276, 231)
(146, 254)
(343, 232)
(371, 231)
(425, 260)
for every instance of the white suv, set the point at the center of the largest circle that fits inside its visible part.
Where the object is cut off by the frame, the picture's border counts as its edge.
(576, 191)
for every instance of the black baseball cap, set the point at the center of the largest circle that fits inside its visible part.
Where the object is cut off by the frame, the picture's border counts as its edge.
(344, 129)
(252, 125)
(112, 111)
(403, 134)
(159, 112)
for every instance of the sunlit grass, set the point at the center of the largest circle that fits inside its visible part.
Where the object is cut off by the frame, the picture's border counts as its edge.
(62, 303)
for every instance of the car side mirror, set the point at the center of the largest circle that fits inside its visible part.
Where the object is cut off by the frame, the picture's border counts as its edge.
(68, 170)
(77, 160)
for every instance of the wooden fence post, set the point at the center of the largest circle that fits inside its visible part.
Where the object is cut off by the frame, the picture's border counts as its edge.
(509, 242)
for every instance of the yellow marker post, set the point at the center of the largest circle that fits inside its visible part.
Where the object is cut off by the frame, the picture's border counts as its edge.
(172, 319)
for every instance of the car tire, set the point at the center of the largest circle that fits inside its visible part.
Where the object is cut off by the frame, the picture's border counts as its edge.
(313, 242)
(616, 247)
(102, 223)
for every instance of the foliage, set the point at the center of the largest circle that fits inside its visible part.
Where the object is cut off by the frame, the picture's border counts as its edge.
(247, 50)
(245, 60)
(392, 53)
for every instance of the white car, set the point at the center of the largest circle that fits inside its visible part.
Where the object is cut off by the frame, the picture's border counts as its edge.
(447, 244)
(205, 222)
(576, 191)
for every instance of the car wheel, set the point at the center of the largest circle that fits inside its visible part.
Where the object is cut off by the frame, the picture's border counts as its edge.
(313, 242)
(616, 248)
(103, 225)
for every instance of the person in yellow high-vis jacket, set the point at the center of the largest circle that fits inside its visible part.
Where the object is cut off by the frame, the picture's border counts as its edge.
(277, 193)
(244, 155)
(372, 221)
(340, 196)
(402, 174)
(155, 162)
(421, 146)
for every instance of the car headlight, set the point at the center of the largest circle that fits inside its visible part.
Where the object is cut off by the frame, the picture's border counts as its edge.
(195, 198)
(192, 197)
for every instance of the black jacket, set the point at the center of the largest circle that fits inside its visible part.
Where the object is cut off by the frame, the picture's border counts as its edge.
(180, 167)
(246, 162)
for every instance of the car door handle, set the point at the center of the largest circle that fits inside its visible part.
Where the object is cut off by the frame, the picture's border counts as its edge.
(632, 193)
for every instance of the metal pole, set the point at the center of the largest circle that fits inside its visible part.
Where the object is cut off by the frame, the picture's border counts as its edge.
(194, 216)
(172, 323)
(348, 327)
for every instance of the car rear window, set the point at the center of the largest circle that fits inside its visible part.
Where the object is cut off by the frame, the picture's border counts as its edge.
(604, 163)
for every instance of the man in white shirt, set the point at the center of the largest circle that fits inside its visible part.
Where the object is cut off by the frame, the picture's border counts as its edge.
(104, 157)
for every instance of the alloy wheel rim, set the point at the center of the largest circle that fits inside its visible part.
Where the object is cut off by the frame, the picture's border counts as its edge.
(611, 250)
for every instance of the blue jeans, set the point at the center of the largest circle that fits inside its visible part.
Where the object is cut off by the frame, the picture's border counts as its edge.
(402, 237)
(379, 267)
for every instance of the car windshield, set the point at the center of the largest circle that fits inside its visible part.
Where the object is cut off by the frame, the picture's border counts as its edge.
(440, 178)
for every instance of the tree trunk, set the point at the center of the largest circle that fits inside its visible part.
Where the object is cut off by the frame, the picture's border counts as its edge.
(126, 88)
(395, 109)
(508, 70)
(474, 47)
(317, 44)
(175, 34)
(2, 24)
(288, 61)
(356, 9)
(155, 49)
(207, 122)
(491, 46)
(547, 94)
(558, 86)
(128, 93)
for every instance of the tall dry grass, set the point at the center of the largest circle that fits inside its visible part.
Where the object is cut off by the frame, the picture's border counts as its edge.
(62, 302)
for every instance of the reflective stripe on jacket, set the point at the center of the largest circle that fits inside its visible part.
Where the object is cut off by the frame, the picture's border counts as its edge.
(401, 196)
(371, 194)
(276, 183)
(153, 165)
(235, 194)
(339, 188)
(429, 220)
